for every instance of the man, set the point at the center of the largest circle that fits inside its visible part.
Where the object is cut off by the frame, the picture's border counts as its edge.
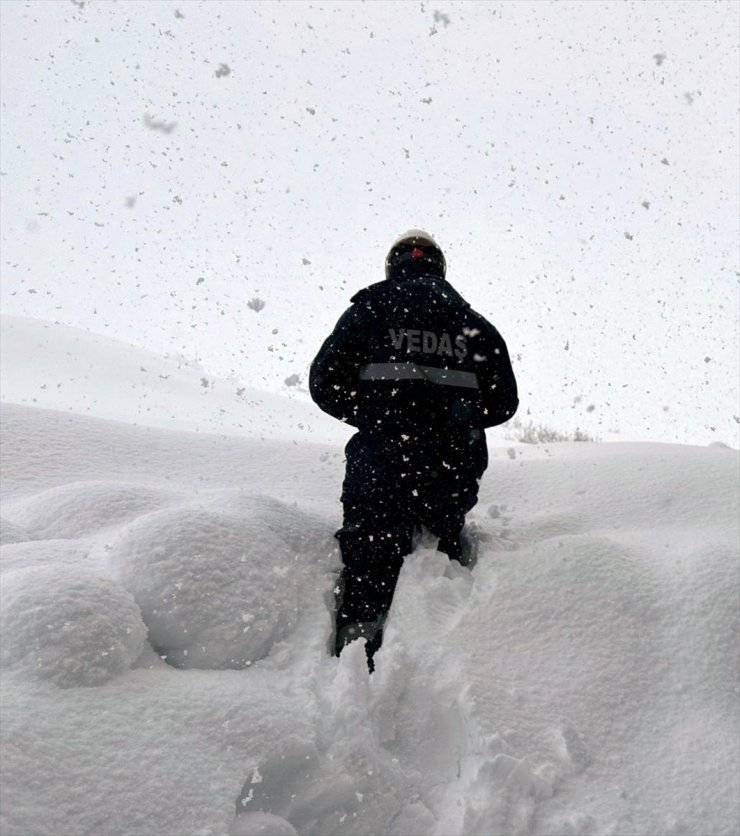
(421, 375)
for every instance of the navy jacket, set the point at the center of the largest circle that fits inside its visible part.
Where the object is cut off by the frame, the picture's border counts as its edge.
(410, 360)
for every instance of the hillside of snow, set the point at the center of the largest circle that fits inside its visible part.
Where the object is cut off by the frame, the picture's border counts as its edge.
(166, 615)
(58, 367)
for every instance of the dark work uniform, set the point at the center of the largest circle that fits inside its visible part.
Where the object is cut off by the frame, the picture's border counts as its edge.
(421, 375)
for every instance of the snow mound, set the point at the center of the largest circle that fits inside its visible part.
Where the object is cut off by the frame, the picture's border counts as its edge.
(10, 532)
(81, 508)
(71, 628)
(301, 530)
(216, 590)
(579, 608)
(34, 553)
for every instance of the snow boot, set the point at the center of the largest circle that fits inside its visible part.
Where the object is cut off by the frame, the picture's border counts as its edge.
(371, 631)
(350, 632)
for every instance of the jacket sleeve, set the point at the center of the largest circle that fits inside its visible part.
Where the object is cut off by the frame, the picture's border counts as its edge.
(335, 371)
(496, 379)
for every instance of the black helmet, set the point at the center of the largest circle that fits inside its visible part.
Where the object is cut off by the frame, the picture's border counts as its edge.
(414, 254)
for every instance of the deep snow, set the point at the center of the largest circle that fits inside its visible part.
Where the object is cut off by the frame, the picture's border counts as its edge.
(581, 679)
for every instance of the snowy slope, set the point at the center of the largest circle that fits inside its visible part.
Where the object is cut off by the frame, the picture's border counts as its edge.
(59, 367)
(582, 679)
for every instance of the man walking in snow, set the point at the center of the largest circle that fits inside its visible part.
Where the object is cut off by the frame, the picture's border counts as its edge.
(421, 375)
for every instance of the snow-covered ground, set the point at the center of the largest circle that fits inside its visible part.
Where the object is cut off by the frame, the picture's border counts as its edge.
(166, 615)
(59, 367)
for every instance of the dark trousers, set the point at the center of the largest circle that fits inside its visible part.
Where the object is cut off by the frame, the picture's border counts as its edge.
(389, 490)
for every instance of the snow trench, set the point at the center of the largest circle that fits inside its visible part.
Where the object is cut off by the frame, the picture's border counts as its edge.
(399, 751)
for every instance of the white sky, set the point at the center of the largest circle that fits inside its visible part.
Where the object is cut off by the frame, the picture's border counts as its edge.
(524, 136)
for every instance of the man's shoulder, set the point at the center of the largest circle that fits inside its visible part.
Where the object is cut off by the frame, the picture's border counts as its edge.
(410, 291)
(369, 292)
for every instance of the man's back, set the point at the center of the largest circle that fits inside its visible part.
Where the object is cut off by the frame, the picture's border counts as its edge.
(412, 356)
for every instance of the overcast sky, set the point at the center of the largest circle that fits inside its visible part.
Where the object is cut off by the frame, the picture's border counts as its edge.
(164, 164)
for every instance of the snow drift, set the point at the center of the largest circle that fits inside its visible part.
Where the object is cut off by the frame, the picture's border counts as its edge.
(59, 367)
